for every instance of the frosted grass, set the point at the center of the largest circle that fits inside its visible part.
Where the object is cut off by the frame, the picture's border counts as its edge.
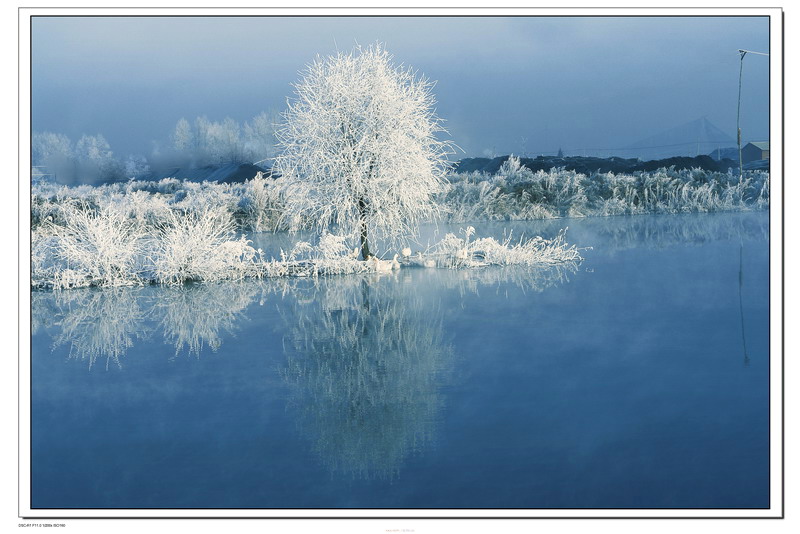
(513, 193)
(517, 193)
(172, 232)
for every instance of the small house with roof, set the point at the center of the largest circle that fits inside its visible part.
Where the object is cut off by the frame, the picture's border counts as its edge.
(755, 151)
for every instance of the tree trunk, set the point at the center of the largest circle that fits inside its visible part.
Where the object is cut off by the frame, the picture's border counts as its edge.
(362, 215)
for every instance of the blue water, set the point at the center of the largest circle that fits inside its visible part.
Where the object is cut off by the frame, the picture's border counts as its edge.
(638, 379)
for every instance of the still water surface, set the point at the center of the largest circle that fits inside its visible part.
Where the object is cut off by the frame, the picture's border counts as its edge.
(638, 379)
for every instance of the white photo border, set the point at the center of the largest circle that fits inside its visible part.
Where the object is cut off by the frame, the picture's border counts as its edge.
(776, 217)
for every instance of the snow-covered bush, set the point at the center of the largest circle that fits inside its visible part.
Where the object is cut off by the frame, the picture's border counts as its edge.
(196, 197)
(330, 256)
(200, 246)
(99, 248)
(476, 197)
(259, 206)
(455, 252)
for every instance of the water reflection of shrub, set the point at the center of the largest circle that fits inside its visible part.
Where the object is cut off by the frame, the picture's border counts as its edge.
(524, 278)
(365, 363)
(104, 323)
(196, 316)
(97, 324)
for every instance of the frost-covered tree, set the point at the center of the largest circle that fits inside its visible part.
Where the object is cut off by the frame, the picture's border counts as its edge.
(93, 148)
(183, 136)
(45, 146)
(207, 142)
(259, 137)
(359, 147)
(136, 166)
(224, 142)
(52, 155)
(96, 161)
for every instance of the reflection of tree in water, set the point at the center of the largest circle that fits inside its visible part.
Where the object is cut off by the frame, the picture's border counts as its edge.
(365, 363)
(97, 323)
(105, 323)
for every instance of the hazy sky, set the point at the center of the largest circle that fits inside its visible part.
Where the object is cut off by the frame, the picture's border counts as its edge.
(525, 84)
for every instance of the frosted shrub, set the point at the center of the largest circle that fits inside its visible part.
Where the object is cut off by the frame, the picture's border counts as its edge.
(534, 251)
(455, 252)
(205, 196)
(165, 186)
(259, 206)
(92, 249)
(44, 210)
(200, 246)
(172, 231)
(43, 262)
(564, 190)
(512, 172)
(333, 246)
(760, 187)
(468, 200)
(515, 193)
(142, 207)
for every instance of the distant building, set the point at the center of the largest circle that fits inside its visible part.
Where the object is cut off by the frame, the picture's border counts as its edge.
(755, 151)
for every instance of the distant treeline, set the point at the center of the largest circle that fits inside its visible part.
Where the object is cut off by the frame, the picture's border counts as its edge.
(200, 143)
(589, 165)
(207, 144)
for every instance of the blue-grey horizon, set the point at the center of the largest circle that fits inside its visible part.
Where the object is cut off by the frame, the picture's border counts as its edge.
(522, 85)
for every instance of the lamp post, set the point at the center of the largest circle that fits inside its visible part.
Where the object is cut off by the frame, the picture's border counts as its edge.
(742, 53)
